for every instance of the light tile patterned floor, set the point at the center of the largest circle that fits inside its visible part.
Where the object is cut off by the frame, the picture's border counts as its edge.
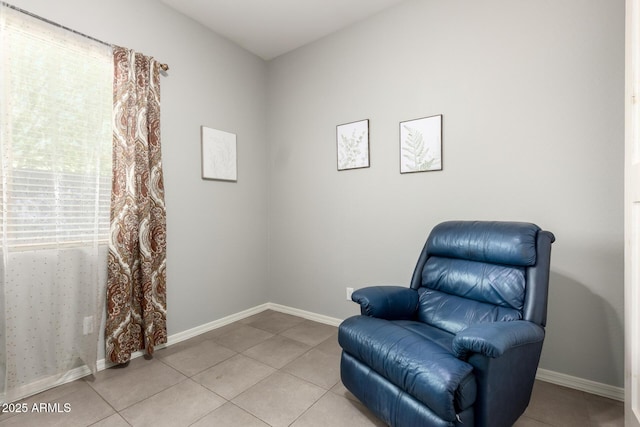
(271, 369)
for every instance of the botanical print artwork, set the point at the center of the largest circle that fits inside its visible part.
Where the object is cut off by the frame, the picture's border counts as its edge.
(219, 160)
(421, 145)
(353, 145)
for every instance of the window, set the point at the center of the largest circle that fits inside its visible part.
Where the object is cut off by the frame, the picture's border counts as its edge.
(55, 118)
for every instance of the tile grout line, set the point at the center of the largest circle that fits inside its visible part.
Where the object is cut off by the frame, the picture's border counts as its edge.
(309, 408)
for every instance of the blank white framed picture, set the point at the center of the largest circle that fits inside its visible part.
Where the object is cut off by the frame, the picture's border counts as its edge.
(219, 155)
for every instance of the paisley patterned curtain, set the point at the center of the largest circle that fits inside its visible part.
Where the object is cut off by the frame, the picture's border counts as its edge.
(136, 283)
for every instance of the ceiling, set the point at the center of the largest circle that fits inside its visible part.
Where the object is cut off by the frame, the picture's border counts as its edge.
(270, 28)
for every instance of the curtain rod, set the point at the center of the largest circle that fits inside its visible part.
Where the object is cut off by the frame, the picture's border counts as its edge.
(164, 67)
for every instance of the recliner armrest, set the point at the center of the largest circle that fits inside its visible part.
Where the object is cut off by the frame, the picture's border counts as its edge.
(387, 302)
(494, 339)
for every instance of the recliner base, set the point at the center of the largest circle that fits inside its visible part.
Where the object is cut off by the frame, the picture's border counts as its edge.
(388, 402)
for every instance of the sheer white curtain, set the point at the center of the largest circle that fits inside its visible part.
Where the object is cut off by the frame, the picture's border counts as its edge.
(55, 177)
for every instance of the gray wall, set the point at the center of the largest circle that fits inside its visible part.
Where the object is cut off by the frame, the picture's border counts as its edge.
(216, 231)
(532, 98)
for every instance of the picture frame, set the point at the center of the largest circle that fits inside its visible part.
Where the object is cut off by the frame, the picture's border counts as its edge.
(421, 144)
(219, 155)
(352, 143)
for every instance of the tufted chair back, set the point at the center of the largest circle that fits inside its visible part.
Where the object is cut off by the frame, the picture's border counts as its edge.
(480, 271)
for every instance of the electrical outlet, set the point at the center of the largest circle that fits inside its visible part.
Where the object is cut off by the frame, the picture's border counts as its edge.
(349, 292)
(87, 325)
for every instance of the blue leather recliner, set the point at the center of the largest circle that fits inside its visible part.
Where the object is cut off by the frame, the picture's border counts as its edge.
(461, 345)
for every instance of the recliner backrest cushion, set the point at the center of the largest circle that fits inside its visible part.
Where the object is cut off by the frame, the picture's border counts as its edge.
(475, 272)
(507, 243)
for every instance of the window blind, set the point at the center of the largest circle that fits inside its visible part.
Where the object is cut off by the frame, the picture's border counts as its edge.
(56, 207)
(56, 112)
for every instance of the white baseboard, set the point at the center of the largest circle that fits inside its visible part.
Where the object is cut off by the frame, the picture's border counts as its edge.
(102, 364)
(600, 389)
(304, 314)
(47, 383)
(593, 387)
(194, 332)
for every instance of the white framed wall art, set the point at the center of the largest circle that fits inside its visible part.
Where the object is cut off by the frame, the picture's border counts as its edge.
(421, 145)
(219, 155)
(352, 141)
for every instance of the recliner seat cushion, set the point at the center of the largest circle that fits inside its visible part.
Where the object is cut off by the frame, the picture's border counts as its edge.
(403, 353)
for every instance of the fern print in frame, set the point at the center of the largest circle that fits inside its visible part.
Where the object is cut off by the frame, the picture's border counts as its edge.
(421, 144)
(352, 141)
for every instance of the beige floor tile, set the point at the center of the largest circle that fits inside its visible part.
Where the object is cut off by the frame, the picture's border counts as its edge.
(275, 322)
(195, 358)
(262, 315)
(277, 351)
(333, 410)
(525, 421)
(75, 404)
(50, 395)
(182, 344)
(316, 367)
(310, 333)
(180, 405)
(557, 406)
(279, 399)
(243, 337)
(233, 376)
(232, 362)
(123, 387)
(229, 415)
(114, 420)
(605, 412)
(330, 345)
(341, 390)
(214, 333)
